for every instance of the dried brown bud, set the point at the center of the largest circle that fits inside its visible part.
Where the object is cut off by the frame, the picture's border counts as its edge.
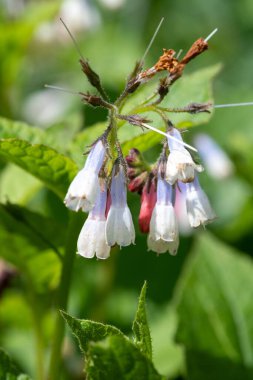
(166, 61)
(92, 77)
(95, 101)
(197, 48)
(134, 119)
(163, 88)
(199, 107)
(132, 85)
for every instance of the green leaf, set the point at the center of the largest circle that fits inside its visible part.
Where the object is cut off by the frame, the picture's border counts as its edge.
(117, 358)
(29, 248)
(54, 169)
(214, 302)
(163, 329)
(84, 139)
(89, 331)
(142, 337)
(43, 232)
(58, 136)
(196, 87)
(8, 370)
(23, 131)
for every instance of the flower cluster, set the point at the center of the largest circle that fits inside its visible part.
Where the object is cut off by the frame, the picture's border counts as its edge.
(175, 170)
(100, 188)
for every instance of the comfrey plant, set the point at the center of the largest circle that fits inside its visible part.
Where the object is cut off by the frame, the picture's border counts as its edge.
(100, 188)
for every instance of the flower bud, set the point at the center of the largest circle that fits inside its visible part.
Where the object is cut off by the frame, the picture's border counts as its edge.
(148, 201)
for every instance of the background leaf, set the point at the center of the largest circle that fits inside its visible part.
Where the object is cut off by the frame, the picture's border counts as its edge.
(208, 296)
(8, 370)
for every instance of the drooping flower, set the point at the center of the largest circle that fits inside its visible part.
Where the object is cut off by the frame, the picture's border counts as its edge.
(84, 188)
(163, 224)
(180, 165)
(162, 246)
(198, 207)
(92, 239)
(119, 224)
(216, 161)
(180, 210)
(148, 201)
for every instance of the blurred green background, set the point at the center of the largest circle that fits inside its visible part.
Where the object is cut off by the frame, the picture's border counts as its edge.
(36, 50)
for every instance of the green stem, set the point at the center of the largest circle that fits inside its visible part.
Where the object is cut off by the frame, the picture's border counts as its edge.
(35, 308)
(63, 293)
(39, 346)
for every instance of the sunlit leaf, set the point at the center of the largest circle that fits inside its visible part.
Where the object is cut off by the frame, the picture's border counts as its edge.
(89, 331)
(117, 358)
(54, 169)
(58, 136)
(141, 331)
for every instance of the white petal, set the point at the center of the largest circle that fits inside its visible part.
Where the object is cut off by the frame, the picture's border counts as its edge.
(92, 241)
(163, 224)
(180, 166)
(119, 227)
(161, 246)
(198, 207)
(82, 191)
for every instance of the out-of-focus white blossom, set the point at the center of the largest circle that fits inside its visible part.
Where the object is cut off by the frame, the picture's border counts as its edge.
(216, 161)
(84, 188)
(113, 4)
(198, 207)
(79, 14)
(119, 225)
(180, 165)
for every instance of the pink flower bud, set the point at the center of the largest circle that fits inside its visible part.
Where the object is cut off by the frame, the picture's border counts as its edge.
(137, 183)
(148, 201)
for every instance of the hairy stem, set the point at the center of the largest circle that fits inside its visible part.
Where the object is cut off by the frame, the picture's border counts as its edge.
(63, 293)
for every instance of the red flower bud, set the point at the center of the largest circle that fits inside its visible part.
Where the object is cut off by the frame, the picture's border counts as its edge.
(148, 201)
(137, 183)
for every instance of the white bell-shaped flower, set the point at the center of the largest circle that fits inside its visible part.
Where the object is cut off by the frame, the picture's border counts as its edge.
(92, 239)
(162, 246)
(198, 207)
(84, 188)
(163, 224)
(119, 224)
(180, 165)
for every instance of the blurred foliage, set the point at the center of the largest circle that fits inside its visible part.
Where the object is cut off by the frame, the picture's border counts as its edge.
(199, 302)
